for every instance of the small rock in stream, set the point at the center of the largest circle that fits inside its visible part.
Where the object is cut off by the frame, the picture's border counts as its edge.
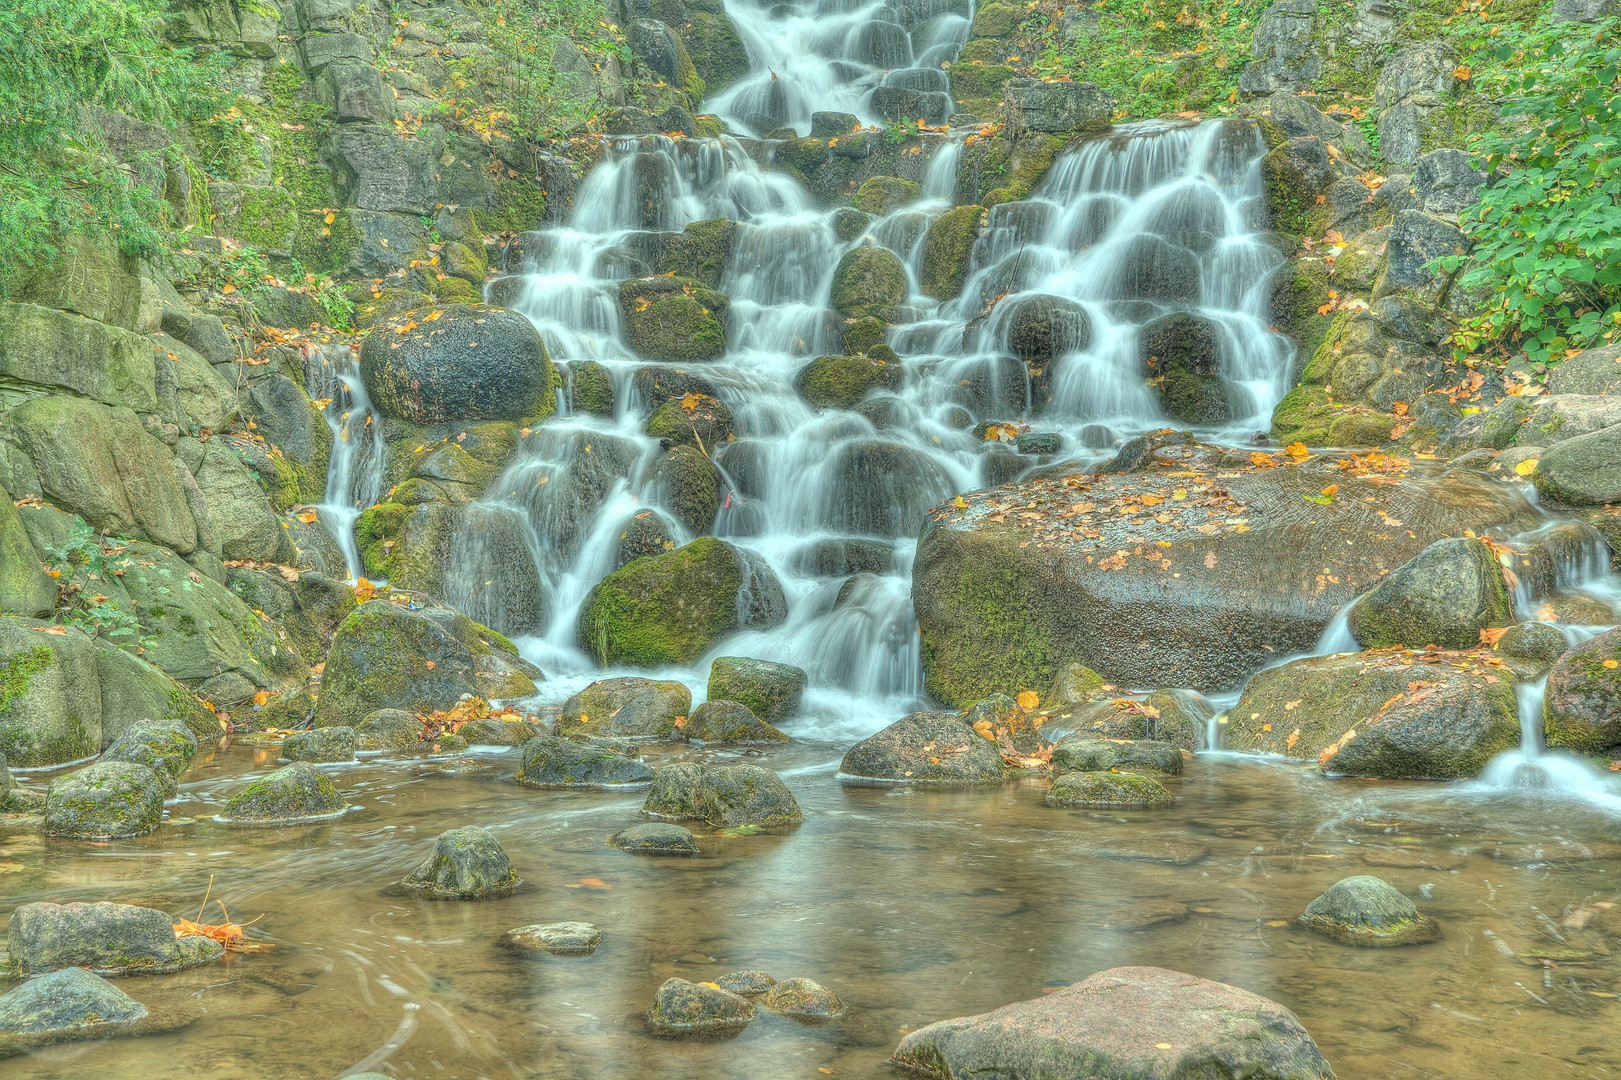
(1107, 790)
(106, 939)
(729, 722)
(68, 1004)
(559, 939)
(1099, 755)
(683, 1008)
(803, 999)
(726, 796)
(466, 864)
(747, 983)
(655, 838)
(390, 729)
(1369, 911)
(550, 761)
(323, 745)
(105, 800)
(290, 795)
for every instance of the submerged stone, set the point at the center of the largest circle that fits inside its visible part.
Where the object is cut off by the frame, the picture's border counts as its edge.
(746, 983)
(1100, 755)
(1366, 910)
(107, 939)
(682, 1008)
(729, 722)
(290, 795)
(71, 1003)
(466, 864)
(559, 939)
(106, 800)
(1106, 790)
(321, 745)
(803, 1000)
(550, 761)
(655, 838)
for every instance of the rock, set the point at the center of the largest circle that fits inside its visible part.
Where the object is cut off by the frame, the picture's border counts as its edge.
(686, 482)
(746, 983)
(700, 251)
(106, 800)
(57, 351)
(1555, 419)
(1074, 684)
(1366, 910)
(321, 745)
(105, 939)
(559, 939)
(1414, 82)
(770, 691)
(648, 532)
(950, 238)
(290, 795)
(492, 732)
(550, 761)
(1584, 471)
(25, 588)
(1100, 755)
(1041, 329)
(898, 103)
(1285, 47)
(1593, 371)
(838, 382)
(385, 656)
(1183, 354)
(1107, 790)
(47, 717)
(626, 707)
(1582, 700)
(729, 722)
(925, 748)
(475, 362)
(869, 280)
(1117, 1024)
(243, 518)
(726, 796)
(164, 746)
(392, 729)
(359, 94)
(885, 194)
(1298, 118)
(90, 276)
(655, 838)
(1445, 595)
(466, 864)
(1584, 10)
(591, 388)
(662, 50)
(1448, 181)
(1033, 105)
(684, 1008)
(703, 423)
(1535, 644)
(803, 999)
(676, 320)
(669, 609)
(1435, 722)
(68, 1004)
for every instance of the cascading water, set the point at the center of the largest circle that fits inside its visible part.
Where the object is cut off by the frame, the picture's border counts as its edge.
(354, 476)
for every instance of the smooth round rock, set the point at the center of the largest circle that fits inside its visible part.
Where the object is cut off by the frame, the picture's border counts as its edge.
(771, 691)
(559, 939)
(1107, 790)
(729, 722)
(747, 983)
(550, 761)
(164, 746)
(290, 795)
(488, 732)
(803, 999)
(70, 1003)
(1100, 755)
(686, 1008)
(391, 729)
(466, 864)
(473, 362)
(106, 800)
(655, 838)
(323, 745)
(1369, 911)
(107, 939)
(1536, 642)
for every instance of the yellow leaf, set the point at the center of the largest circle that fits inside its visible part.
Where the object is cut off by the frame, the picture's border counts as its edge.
(1609, 663)
(1526, 467)
(960, 503)
(432, 315)
(1151, 500)
(1297, 450)
(1028, 699)
(228, 289)
(406, 328)
(329, 219)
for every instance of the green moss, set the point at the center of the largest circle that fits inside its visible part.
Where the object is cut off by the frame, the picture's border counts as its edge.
(268, 218)
(1289, 196)
(838, 382)
(980, 80)
(516, 206)
(1308, 291)
(1025, 164)
(379, 525)
(16, 675)
(663, 609)
(1000, 648)
(945, 251)
(885, 194)
(995, 20)
(868, 281)
(701, 251)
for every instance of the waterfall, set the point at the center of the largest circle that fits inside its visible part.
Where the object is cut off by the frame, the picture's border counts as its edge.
(354, 475)
(1531, 769)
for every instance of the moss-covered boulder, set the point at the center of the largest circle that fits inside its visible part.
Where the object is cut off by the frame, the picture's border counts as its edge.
(700, 251)
(726, 796)
(467, 864)
(945, 251)
(49, 710)
(1182, 355)
(1368, 911)
(107, 939)
(771, 691)
(932, 748)
(458, 363)
(669, 609)
(676, 320)
(838, 382)
(682, 1008)
(1376, 714)
(1100, 755)
(626, 708)
(685, 482)
(655, 838)
(64, 1005)
(868, 281)
(698, 421)
(550, 761)
(386, 656)
(803, 999)
(106, 800)
(885, 194)
(1073, 685)
(591, 388)
(1107, 790)
(1445, 595)
(25, 588)
(1582, 701)
(492, 732)
(1004, 600)
(321, 746)
(729, 722)
(164, 746)
(389, 729)
(289, 796)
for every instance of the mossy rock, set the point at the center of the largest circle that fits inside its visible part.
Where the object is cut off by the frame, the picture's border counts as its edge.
(458, 364)
(1582, 700)
(164, 746)
(321, 746)
(672, 319)
(106, 800)
(1108, 790)
(103, 938)
(908, 752)
(669, 609)
(868, 281)
(945, 251)
(770, 691)
(726, 796)
(700, 252)
(980, 80)
(289, 796)
(688, 484)
(1446, 595)
(706, 424)
(593, 388)
(995, 20)
(625, 708)
(1101, 755)
(729, 722)
(466, 864)
(1074, 684)
(838, 382)
(49, 712)
(885, 194)
(684, 1008)
(550, 761)
(1370, 912)
(390, 729)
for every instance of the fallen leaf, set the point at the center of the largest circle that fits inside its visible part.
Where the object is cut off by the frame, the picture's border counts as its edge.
(1028, 699)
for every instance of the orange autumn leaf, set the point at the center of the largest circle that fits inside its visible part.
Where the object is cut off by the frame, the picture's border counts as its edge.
(1297, 450)
(432, 315)
(1262, 460)
(406, 328)
(1492, 636)
(1028, 699)
(1150, 500)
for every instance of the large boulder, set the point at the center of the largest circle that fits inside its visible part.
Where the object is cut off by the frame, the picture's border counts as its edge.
(1035, 105)
(243, 518)
(55, 350)
(726, 796)
(103, 801)
(47, 717)
(458, 363)
(838, 382)
(1582, 700)
(672, 319)
(1594, 371)
(107, 939)
(1416, 85)
(466, 864)
(885, 194)
(1136, 1022)
(945, 251)
(133, 692)
(67, 1004)
(1287, 50)
(626, 708)
(1445, 595)
(1380, 714)
(771, 691)
(725, 722)
(1584, 471)
(549, 761)
(669, 609)
(289, 796)
(868, 281)
(1203, 584)
(387, 656)
(925, 748)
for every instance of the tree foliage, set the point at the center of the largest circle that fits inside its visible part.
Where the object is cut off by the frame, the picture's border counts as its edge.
(1547, 230)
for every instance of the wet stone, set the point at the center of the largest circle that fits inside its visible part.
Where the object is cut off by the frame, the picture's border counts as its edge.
(1369, 911)
(107, 939)
(803, 999)
(1107, 790)
(549, 761)
(1099, 755)
(655, 838)
(292, 794)
(746, 983)
(106, 800)
(1144, 914)
(321, 745)
(489, 732)
(729, 722)
(685, 1008)
(559, 939)
(466, 864)
(164, 746)
(391, 729)
(1036, 443)
(71, 1003)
